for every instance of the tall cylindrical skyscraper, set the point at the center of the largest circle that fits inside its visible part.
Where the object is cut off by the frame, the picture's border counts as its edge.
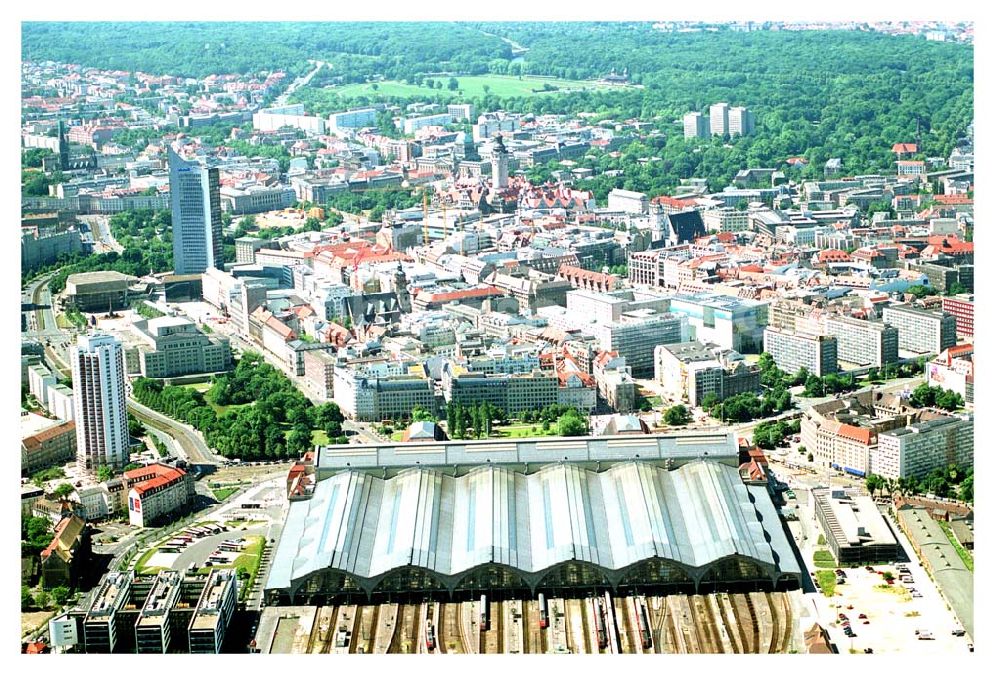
(98, 364)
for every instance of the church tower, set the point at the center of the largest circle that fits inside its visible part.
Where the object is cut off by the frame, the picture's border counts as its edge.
(499, 163)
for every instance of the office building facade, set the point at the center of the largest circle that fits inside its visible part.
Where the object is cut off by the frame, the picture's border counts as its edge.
(98, 365)
(196, 214)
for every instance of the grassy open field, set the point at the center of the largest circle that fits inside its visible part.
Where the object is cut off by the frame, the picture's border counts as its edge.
(522, 430)
(504, 86)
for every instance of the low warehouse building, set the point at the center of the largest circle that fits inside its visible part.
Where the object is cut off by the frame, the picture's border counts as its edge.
(854, 528)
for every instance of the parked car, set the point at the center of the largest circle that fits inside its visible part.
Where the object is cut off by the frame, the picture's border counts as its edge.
(958, 632)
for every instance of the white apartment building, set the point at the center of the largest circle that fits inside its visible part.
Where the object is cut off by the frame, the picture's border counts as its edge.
(55, 397)
(921, 331)
(98, 365)
(462, 111)
(719, 119)
(725, 219)
(864, 342)
(792, 351)
(352, 119)
(411, 125)
(695, 125)
(741, 121)
(916, 450)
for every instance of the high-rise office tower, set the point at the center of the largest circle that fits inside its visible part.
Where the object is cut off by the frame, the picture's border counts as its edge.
(98, 365)
(196, 215)
(719, 119)
(741, 121)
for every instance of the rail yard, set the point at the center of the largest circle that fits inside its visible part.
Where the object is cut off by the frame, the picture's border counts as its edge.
(756, 622)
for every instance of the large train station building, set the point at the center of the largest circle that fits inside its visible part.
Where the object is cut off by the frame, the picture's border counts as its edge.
(451, 520)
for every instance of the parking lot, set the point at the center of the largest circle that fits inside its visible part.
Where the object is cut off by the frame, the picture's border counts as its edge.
(893, 612)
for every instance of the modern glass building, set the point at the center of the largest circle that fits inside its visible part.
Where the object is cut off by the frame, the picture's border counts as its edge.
(196, 215)
(565, 529)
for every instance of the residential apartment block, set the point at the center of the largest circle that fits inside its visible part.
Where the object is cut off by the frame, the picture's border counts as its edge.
(792, 351)
(921, 331)
(695, 125)
(962, 307)
(917, 449)
(98, 366)
(864, 342)
(719, 119)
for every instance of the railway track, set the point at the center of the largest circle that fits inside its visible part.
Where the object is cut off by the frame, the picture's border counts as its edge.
(762, 614)
(406, 641)
(755, 622)
(450, 629)
(471, 637)
(322, 633)
(494, 636)
(385, 628)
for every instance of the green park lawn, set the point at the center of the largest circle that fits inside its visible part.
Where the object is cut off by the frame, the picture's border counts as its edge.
(505, 86)
(827, 580)
(521, 430)
(223, 493)
(822, 558)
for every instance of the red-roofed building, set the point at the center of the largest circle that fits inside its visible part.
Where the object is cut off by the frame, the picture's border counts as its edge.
(596, 281)
(577, 389)
(903, 150)
(427, 301)
(62, 559)
(157, 491)
(831, 256)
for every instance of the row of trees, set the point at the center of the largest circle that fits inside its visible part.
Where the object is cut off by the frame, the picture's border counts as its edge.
(944, 482)
(744, 407)
(933, 396)
(770, 434)
(473, 421)
(271, 419)
(829, 384)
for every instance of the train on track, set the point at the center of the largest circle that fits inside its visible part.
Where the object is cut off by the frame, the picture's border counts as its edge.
(543, 612)
(430, 635)
(642, 618)
(601, 624)
(484, 613)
